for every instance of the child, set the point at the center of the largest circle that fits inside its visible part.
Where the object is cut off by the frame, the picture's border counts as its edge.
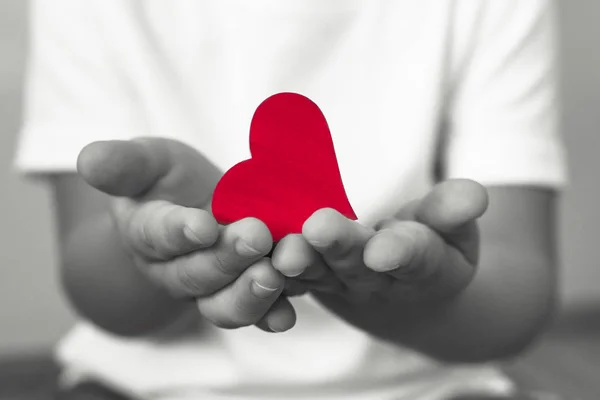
(441, 112)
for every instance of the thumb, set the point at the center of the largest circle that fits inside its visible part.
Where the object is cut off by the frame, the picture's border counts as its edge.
(451, 209)
(150, 169)
(122, 168)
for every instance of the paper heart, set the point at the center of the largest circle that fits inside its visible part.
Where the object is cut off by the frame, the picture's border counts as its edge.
(293, 171)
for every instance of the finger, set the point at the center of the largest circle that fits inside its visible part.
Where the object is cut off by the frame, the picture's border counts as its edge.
(294, 257)
(247, 300)
(149, 168)
(408, 212)
(452, 203)
(341, 241)
(206, 271)
(280, 317)
(294, 287)
(451, 209)
(123, 167)
(419, 259)
(159, 230)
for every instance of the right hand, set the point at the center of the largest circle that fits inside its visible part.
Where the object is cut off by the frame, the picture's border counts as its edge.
(161, 191)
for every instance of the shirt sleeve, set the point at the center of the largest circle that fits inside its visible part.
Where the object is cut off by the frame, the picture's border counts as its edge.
(503, 115)
(74, 93)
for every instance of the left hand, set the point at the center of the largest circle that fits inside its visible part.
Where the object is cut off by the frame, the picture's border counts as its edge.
(427, 252)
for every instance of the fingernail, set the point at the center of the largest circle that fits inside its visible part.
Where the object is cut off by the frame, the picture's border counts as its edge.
(244, 249)
(409, 249)
(293, 274)
(321, 245)
(191, 235)
(274, 329)
(262, 291)
(404, 256)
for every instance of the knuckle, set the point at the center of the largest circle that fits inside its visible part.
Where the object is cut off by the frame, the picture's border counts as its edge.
(169, 212)
(140, 227)
(180, 280)
(420, 234)
(169, 242)
(137, 234)
(121, 209)
(435, 255)
(186, 281)
(146, 236)
(226, 267)
(207, 221)
(154, 228)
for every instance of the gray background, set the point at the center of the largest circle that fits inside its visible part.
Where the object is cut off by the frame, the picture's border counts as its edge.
(33, 315)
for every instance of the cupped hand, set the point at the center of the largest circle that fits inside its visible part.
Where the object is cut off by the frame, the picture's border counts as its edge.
(427, 252)
(161, 192)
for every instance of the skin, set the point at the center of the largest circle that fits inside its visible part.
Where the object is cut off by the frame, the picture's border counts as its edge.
(457, 289)
(154, 249)
(464, 274)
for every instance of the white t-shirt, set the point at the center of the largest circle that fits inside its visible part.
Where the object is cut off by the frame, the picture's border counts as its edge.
(403, 85)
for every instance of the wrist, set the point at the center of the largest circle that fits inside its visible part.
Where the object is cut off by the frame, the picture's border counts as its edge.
(104, 286)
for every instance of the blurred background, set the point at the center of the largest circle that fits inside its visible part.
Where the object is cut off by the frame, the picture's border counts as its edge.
(33, 315)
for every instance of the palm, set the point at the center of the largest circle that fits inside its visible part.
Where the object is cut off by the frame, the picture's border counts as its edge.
(428, 250)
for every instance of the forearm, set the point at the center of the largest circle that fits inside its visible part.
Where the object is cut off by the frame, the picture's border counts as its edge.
(502, 311)
(105, 287)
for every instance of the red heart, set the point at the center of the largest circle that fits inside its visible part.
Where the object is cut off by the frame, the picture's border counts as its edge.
(293, 171)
